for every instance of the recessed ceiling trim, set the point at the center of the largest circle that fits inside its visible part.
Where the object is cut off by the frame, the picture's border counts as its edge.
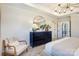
(48, 10)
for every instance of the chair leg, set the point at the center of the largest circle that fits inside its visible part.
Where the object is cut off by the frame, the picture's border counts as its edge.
(26, 49)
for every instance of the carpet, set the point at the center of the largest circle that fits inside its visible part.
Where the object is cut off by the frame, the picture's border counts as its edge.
(36, 51)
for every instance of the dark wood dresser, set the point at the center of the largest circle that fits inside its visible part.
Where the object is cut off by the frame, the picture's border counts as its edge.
(39, 38)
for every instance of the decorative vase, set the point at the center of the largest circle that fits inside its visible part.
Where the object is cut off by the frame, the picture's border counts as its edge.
(46, 29)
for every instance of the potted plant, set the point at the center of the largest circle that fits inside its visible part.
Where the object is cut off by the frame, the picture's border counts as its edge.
(45, 27)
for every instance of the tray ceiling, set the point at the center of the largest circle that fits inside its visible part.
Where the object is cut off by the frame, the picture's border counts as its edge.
(50, 7)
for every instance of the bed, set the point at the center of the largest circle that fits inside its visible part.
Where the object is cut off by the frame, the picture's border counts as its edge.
(68, 46)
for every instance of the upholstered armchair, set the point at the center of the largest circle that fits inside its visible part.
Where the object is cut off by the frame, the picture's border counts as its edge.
(13, 48)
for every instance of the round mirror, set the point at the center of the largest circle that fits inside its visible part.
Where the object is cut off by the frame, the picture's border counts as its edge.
(39, 20)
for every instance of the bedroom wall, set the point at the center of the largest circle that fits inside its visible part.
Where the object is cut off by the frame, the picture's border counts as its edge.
(16, 20)
(75, 25)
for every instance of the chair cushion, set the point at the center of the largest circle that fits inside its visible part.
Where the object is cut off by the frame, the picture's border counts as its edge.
(19, 49)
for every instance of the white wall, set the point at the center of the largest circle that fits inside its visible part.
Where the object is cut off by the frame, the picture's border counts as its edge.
(16, 20)
(75, 25)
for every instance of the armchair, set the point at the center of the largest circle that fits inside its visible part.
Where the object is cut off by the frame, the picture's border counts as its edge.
(13, 48)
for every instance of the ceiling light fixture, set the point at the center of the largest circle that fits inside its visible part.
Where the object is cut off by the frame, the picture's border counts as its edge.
(63, 8)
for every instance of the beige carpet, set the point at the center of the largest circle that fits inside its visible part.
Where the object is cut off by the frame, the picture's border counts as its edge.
(36, 51)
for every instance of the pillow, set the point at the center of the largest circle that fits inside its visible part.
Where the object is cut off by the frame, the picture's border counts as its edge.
(14, 43)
